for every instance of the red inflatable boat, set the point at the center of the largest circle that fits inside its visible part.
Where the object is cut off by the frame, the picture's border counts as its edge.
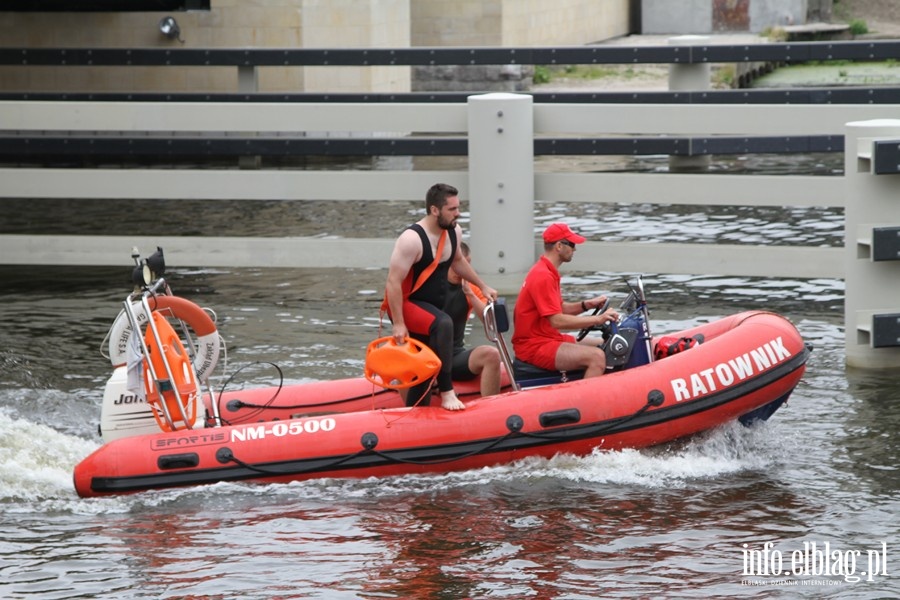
(658, 390)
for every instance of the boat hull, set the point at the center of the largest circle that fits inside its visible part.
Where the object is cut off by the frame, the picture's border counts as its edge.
(746, 363)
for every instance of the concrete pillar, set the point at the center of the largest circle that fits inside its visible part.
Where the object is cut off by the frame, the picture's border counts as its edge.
(248, 79)
(689, 77)
(872, 244)
(248, 83)
(501, 186)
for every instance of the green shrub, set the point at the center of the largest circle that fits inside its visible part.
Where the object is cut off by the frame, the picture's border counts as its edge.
(858, 27)
(774, 34)
(724, 76)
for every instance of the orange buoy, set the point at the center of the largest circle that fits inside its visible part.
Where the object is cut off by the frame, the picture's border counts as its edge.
(169, 350)
(399, 366)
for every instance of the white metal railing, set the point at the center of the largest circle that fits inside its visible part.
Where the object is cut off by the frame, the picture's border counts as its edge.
(439, 118)
(551, 118)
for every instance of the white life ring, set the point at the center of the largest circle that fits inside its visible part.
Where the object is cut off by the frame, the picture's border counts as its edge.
(208, 343)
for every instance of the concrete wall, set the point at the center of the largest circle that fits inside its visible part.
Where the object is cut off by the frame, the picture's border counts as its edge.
(456, 22)
(228, 24)
(517, 22)
(356, 24)
(676, 16)
(507, 23)
(777, 13)
(563, 22)
(696, 16)
(309, 24)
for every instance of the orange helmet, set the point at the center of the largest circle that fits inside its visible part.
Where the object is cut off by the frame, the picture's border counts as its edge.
(400, 366)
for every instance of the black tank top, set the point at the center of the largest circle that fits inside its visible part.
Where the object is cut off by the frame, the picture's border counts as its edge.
(434, 290)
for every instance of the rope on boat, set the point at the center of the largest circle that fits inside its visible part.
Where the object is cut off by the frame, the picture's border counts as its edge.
(369, 442)
(654, 398)
(437, 461)
(225, 455)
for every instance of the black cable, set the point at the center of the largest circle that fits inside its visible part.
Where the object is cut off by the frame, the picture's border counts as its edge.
(259, 407)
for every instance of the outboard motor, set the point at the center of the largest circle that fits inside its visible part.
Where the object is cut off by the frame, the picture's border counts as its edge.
(619, 345)
(632, 347)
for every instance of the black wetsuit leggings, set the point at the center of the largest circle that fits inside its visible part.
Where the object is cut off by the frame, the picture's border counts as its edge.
(439, 338)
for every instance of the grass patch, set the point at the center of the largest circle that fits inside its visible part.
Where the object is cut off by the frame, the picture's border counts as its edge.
(832, 72)
(592, 71)
(547, 73)
(840, 62)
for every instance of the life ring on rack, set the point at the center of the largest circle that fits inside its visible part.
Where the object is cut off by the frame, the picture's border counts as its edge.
(178, 397)
(208, 343)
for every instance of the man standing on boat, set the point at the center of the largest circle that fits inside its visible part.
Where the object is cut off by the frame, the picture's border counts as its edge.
(417, 285)
(541, 314)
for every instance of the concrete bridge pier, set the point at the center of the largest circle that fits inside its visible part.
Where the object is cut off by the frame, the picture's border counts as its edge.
(501, 187)
(689, 77)
(248, 83)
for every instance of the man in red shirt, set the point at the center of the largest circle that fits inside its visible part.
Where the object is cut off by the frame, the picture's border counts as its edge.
(541, 314)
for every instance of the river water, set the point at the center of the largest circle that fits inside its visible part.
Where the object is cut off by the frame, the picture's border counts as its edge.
(819, 482)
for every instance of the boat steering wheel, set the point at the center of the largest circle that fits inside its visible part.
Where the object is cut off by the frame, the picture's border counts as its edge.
(604, 328)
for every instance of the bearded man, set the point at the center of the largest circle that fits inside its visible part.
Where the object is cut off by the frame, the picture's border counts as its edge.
(417, 285)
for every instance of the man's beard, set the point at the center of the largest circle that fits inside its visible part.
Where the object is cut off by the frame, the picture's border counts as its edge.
(446, 224)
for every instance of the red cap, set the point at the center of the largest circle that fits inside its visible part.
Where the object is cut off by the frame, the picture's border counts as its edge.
(560, 231)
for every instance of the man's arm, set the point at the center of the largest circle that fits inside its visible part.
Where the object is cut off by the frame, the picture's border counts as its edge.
(571, 315)
(465, 270)
(564, 322)
(576, 308)
(477, 300)
(407, 250)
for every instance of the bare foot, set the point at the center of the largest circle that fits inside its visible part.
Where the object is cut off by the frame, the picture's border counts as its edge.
(449, 401)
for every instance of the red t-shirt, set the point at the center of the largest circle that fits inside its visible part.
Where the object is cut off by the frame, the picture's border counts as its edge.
(535, 340)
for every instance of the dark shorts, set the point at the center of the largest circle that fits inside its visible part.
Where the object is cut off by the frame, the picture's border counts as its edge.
(460, 369)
